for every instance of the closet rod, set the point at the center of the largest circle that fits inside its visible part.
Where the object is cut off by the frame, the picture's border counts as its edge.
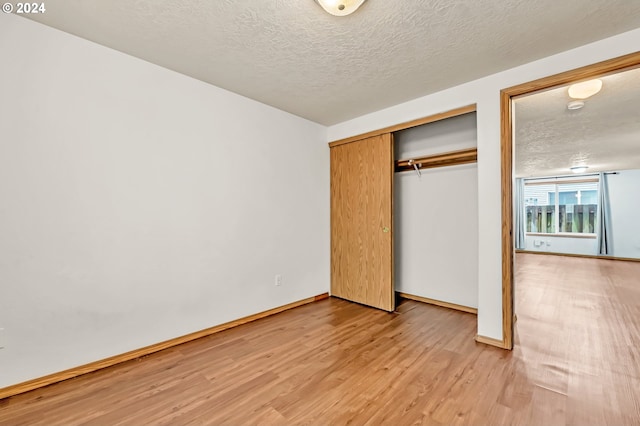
(439, 160)
(580, 175)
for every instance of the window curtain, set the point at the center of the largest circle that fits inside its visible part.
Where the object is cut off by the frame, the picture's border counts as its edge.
(519, 214)
(604, 227)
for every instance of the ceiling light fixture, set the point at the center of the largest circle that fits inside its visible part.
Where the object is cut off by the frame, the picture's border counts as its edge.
(579, 169)
(585, 90)
(573, 105)
(340, 7)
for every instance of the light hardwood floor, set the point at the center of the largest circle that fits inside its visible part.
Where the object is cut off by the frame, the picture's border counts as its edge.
(576, 361)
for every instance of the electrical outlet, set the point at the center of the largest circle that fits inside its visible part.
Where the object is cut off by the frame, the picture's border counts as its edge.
(278, 280)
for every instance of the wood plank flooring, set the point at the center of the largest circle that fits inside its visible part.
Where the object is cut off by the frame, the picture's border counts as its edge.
(578, 335)
(576, 361)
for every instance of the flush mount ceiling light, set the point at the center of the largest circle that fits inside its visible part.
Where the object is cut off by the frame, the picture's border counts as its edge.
(340, 7)
(579, 169)
(585, 90)
(573, 105)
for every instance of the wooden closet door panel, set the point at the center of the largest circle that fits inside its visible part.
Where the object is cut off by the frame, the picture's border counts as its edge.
(361, 222)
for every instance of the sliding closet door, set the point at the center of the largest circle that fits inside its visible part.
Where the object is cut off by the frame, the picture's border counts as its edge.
(361, 220)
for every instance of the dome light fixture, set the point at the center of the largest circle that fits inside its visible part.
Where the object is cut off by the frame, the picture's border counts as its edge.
(573, 105)
(340, 7)
(585, 89)
(579, 169)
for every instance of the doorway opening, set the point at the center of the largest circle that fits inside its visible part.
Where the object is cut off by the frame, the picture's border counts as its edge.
(550, 218)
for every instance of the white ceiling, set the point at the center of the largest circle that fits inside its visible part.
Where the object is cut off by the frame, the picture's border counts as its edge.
(604, 135)
(294, 56)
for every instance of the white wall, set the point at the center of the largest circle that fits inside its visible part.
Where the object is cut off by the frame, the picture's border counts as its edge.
(436, 227)
(138, 204)
(485, 92)
(624, 206)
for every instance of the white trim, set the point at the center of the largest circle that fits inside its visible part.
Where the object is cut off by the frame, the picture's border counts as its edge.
(562, 234)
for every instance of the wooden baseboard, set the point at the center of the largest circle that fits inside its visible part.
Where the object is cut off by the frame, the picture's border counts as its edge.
(490, 341)
(438, 303)
(588, 256)
(147, 350)
(321, 297)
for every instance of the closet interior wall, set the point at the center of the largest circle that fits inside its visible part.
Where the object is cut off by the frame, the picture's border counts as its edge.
(436, 215)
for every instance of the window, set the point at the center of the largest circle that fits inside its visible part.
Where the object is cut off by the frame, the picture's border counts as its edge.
(561, 207)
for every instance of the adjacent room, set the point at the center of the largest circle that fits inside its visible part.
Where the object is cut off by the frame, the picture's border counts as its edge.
(319, 212)
(577, 168)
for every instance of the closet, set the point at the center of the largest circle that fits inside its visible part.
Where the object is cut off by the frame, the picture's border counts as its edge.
(404, 213)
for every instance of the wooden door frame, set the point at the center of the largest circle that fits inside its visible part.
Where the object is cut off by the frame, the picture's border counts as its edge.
(407, 124)
(506, 152)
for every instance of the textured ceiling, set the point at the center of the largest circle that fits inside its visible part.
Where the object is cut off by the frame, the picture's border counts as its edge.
(604, 135)
(292, 55)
